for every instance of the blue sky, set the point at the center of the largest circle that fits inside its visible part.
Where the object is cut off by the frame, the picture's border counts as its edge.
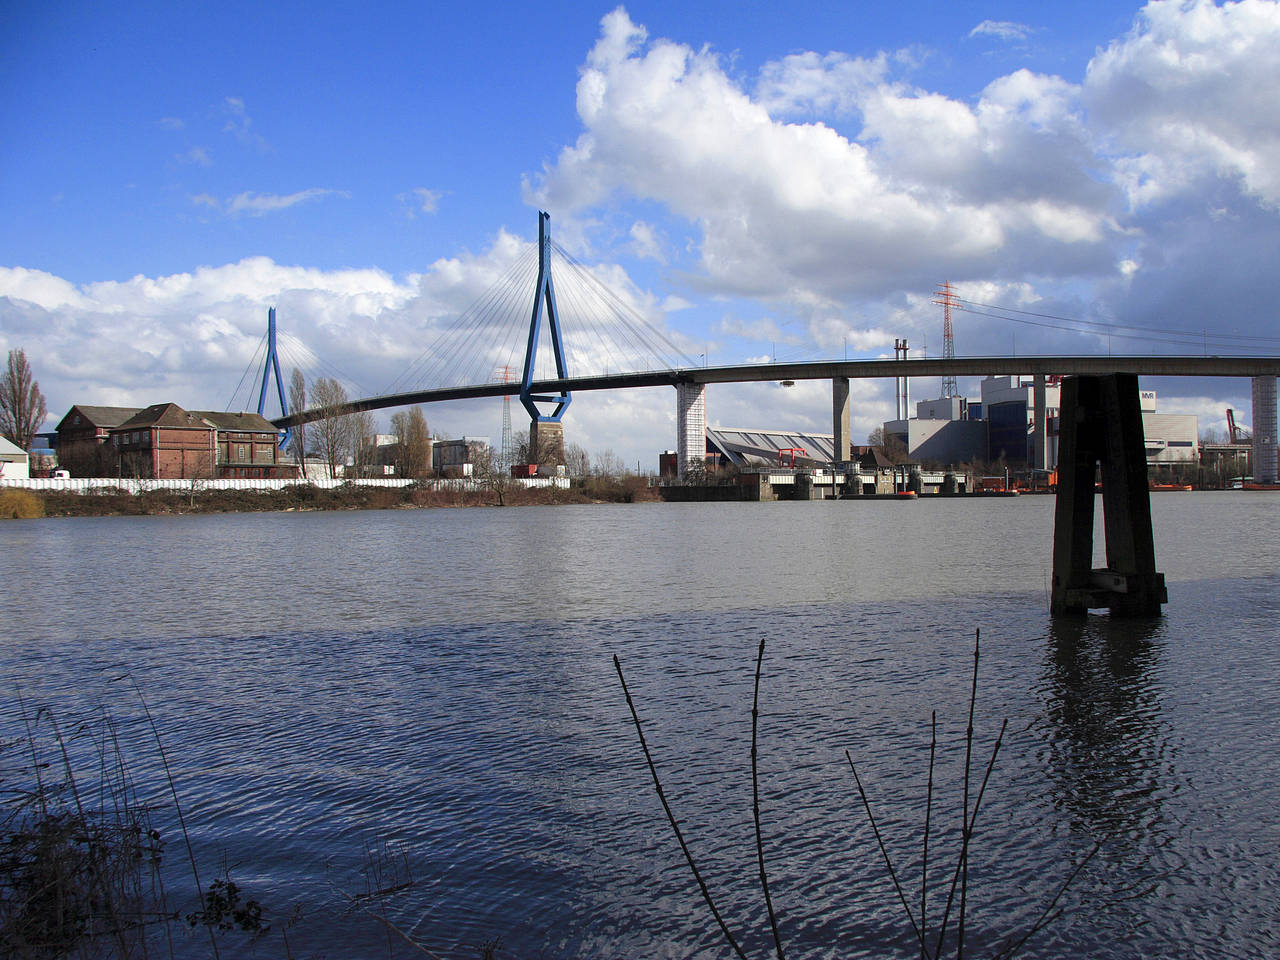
(759, 179)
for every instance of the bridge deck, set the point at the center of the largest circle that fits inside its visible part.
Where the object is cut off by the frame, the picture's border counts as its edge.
(1165, 366)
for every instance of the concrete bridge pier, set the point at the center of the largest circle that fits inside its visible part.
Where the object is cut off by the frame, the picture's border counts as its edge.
(840, 418)
(1040, 429)
(1101, 422)
(691, 428)
(546, 442)
(1264, 430)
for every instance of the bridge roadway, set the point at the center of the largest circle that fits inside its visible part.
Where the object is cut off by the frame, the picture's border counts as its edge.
(1163, 366)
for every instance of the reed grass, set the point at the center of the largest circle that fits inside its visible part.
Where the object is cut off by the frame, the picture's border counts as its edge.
(19, 504)
(931, 943)
(81, 855)
(79, 866)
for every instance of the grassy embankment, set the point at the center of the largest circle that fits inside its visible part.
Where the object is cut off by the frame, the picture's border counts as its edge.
(21, 504)
(16, 504)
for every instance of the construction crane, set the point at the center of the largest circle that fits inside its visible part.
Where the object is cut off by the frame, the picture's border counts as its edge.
(1237, 435)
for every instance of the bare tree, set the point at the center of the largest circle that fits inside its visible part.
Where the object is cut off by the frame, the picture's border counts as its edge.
(488, 469)
(609, 465)
(577, 462)
(894, 450)
(364, 441)
(298, 434)
(413, 442)
(22, 407)
(333, 433)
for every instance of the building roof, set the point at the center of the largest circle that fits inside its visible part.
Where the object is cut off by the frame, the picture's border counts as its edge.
(164, 415)
(238, 421)
(762, 448)
(101, 416)
(871, 457)
(172, 415)
(11, 451)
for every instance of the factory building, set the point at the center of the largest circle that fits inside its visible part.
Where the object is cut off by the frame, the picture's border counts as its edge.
(943, 431)
(1001, 428)
(1008, 406)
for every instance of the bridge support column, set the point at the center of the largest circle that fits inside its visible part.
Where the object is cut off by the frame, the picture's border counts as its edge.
(840, 418)
(1264, 430)
(1101, 421)
(691, 427)
(546, 442)
(1040, 428)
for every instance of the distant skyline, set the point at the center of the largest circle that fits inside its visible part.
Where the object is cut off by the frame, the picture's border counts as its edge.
(757, 180)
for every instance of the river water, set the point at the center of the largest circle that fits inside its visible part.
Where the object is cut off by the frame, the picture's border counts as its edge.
(431, 694)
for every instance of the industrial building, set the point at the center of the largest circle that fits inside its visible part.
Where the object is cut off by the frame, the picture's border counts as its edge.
(1001, 428)
(948, 430)
(1008, 407)
(457, 457)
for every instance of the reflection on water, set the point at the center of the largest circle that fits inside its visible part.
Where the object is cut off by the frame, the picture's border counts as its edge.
(327, 682)
(1102, 699)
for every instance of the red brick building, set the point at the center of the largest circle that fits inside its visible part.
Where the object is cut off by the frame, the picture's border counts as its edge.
(84, 436)
(166, 442)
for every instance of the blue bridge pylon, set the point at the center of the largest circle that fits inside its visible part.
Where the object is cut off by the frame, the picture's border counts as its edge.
(272, 365)
(544, 294)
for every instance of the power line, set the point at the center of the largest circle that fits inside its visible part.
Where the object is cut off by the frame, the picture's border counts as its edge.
(1109, 327)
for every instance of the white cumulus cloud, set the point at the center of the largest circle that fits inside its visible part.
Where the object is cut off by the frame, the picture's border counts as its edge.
(800, 211)
(1189, 94)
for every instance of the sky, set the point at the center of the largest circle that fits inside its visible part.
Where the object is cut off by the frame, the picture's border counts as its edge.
(756, 180)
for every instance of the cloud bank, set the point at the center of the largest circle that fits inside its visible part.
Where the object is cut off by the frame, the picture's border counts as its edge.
(809, 206)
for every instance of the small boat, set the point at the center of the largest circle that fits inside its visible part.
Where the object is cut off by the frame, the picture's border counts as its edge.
(1166, 487)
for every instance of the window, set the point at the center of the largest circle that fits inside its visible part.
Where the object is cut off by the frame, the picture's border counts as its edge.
(241, 452)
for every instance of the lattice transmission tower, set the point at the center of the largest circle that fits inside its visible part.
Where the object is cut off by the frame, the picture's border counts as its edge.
(506, 452)
(947, 299)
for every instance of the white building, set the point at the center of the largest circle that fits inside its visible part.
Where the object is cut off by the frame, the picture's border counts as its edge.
(939, 440)
(14, 462)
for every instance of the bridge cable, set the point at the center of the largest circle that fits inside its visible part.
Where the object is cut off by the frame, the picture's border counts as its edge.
(577, 313)
(446, 352)
(635, 327)
(435, 357)
(651, 341)
(297, 355)
(255, 362)
(492, 328)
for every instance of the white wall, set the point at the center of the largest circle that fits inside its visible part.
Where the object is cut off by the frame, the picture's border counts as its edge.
(103, 485)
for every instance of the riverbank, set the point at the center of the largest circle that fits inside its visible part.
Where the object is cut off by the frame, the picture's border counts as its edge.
(28, 504)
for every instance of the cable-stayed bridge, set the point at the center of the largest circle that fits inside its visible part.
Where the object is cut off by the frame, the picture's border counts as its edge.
(566, 330)
(586, 325)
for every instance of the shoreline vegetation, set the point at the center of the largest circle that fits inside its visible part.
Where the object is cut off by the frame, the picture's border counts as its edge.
(16, 503)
